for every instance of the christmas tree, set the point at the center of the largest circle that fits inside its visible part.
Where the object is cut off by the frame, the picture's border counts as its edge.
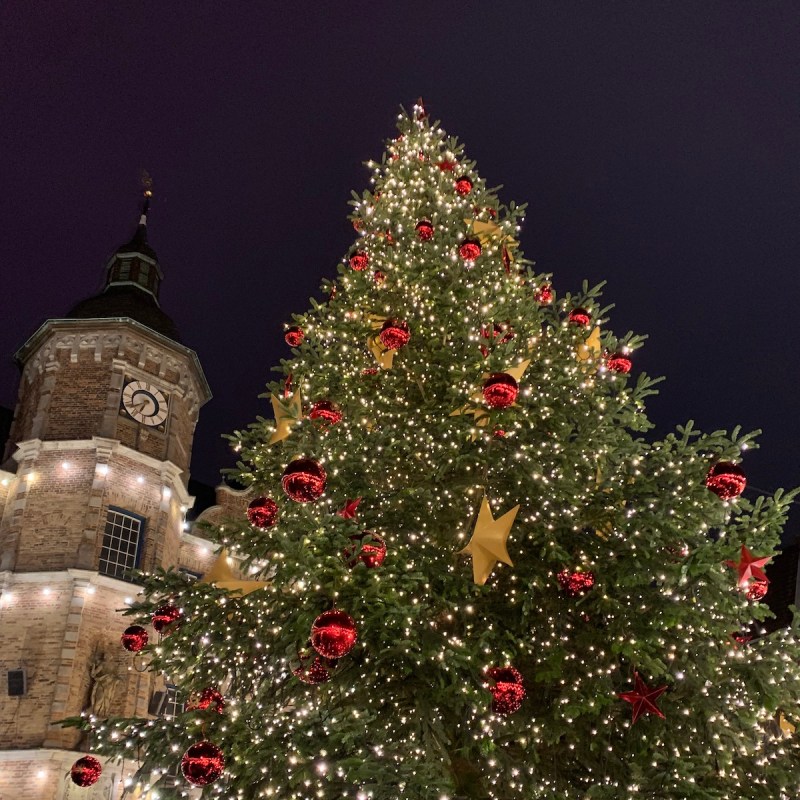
(469, 572)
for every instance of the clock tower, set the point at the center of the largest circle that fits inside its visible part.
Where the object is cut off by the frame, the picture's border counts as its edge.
(94, 485)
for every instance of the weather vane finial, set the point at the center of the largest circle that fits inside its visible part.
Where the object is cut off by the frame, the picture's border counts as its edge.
(147, 185)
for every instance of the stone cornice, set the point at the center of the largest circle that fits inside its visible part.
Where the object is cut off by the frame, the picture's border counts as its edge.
(80, 577)
(131, 341)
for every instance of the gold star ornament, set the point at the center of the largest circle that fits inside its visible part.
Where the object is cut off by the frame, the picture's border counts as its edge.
(591, 348)
(287, 415)
(487, 545)
(221, 575)
(383, 355)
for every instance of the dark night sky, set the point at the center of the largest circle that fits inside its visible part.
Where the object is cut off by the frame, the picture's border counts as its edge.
(657, 144)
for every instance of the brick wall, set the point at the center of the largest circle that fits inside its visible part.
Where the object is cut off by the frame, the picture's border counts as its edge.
(77, 456)
(78, 399)
(72, 382)
(56, 515)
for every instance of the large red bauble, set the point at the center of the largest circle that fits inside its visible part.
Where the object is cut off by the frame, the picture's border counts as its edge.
(726, 480)
(164, 616)
(580, 316)
(304, 480)
(544, 294)
(209, 698)
(424, 229)
(134, 638)
(333, 633)
(371, 553)
(507, 691)
(313, 669)
(294, 336)
(470, 249)
(359, 261)
(262, 512)
(326, 411)
(619, 362)
(500, 390)
(395, 334)
(575, 583)
(757, 589)
(86, 771)
(463, 186)
(202, 763)
(446, 165)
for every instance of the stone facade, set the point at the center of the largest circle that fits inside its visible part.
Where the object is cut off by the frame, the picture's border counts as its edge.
(75, 457)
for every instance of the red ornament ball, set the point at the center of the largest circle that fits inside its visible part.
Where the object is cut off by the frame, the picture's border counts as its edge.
(497, 329)
(395, 334)
(619, 362)
(507, 335)
(294, 336)
(202, 763)
(500, 390)
(262, 512)
(209, 698)
(424, 230)
(580, 316)
(575, 583)
(544, 294)
(378, 276)
(134, 638)
(359, 261)
(333, 634)
(86, 771)
(326, 411)
(470, 249)
(313, 669)
(164, 616)
(304, 480)
(507, 689)
(371, 553)
(358, 224)
(446, 165)
(757, 590)
(463, 186)
(726, 480)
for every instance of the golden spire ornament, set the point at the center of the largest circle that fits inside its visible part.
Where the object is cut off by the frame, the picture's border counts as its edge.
(487, 544)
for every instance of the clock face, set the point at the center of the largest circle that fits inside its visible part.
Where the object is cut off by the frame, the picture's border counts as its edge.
(145, 403)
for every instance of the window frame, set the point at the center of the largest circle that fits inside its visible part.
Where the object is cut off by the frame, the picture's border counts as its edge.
(174, 700)
(139, 544)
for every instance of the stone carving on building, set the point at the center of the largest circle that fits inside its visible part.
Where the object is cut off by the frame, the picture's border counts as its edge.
(105, 683)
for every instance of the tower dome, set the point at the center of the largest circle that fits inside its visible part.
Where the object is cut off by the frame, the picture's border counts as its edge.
(133, 280)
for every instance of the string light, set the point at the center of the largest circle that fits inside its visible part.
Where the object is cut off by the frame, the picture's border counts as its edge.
(406, 713)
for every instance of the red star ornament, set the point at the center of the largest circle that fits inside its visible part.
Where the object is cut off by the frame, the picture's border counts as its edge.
(643, 698)
(749, 568)
(350, 509)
